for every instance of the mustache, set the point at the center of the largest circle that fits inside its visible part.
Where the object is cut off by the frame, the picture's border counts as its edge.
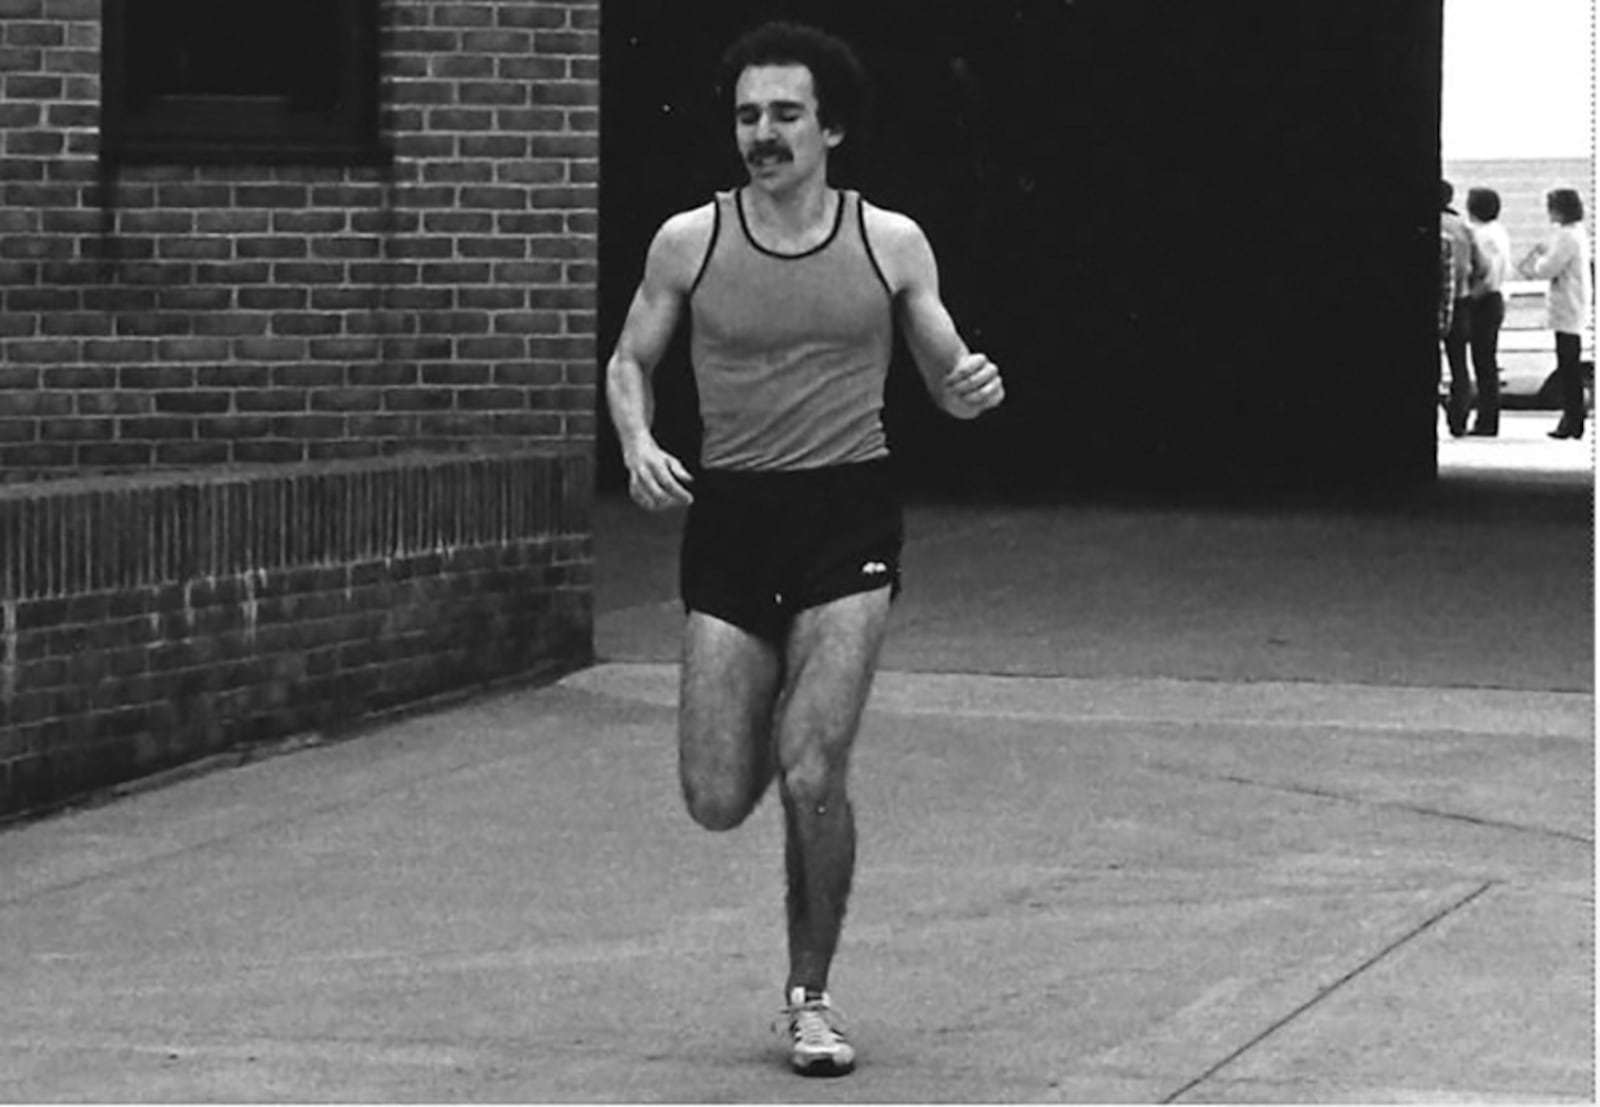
(768, 149)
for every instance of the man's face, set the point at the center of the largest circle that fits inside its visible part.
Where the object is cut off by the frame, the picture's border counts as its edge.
(780, 137)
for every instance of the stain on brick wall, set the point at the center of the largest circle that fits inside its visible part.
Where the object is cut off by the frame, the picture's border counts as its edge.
(150, 620)
(179, 315)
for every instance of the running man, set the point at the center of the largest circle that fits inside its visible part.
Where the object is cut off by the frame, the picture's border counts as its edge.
(791, 547)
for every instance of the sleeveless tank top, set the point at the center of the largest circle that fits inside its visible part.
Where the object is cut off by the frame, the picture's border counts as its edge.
(790, 351)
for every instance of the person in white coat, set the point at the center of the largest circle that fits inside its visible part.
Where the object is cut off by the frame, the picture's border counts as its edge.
(1564, 262)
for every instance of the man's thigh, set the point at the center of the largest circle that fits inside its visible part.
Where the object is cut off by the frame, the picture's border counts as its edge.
(832, 653)
(729, 688)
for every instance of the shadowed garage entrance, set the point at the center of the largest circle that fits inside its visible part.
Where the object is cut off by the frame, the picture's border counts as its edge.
(1199, 237)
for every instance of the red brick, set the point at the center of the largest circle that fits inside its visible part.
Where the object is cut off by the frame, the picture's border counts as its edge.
(417, 399)
(193, 402)
(266, 246)
(156, 222)
(566, 42)
(269, 349)
(346, 399)
(80, 377)
(278, 398)
(491, 399)
(113, 402)
(308, 376)
(77, 429)
(383, 373)
(45, 404)
(460, 119)
(115, 455)
(275, 196)
(456, 373)
(192, 453)
(541, 16)
(462, 15)
(532, 374)
(194, 195)
(497, 93)
(13, 431)
(306, 323)
(156, 376)
(53, 455)
(76, 323)
(156, 427)
(306, 427)
(230, 324)
(267, 453)
(308, 272)
(236, 427)
(272, 299)
(192, 349)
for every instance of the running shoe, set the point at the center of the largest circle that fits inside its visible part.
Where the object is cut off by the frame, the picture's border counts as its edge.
(818, 1046)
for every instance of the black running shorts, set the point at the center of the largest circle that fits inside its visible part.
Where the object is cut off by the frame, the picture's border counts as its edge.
(759, 547)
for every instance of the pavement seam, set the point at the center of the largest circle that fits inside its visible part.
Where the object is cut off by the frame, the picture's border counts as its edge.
(1363, 801)
(1324, 993)
(1298, 705)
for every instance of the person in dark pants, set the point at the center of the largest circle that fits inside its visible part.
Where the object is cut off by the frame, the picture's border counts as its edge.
(1486, 305)
(1564, 262)
(1468, 263)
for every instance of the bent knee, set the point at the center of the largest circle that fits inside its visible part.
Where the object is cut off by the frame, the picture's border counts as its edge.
(717, 809)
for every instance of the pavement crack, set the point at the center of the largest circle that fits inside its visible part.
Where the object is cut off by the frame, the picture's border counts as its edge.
(1323, 993)
(1481, 821)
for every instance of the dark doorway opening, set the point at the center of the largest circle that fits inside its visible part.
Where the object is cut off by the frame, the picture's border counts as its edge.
(1199, 237)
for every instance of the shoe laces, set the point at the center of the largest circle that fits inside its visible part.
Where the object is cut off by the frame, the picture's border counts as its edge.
(816, 1023)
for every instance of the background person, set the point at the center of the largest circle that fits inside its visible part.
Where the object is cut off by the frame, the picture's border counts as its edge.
(1486, 304)
(1468, 263)
(1564, 262)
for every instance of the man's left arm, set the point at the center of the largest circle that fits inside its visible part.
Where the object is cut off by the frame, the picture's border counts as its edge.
(962, 383)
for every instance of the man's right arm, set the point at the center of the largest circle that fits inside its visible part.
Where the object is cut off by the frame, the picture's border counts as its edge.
(656, 479)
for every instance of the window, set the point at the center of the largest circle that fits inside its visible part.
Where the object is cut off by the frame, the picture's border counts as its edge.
(281, 81)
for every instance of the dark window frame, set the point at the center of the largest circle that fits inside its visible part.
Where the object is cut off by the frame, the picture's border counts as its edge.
(236, 130)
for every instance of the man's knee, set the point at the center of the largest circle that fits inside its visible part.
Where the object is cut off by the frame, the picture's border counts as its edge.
(812, 779)
(718, 806)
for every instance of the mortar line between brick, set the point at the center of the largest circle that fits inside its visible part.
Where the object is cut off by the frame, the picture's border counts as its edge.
(1382, 954)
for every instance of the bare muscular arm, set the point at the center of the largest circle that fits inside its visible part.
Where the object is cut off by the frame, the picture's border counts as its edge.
(962, 383)
(656, 479)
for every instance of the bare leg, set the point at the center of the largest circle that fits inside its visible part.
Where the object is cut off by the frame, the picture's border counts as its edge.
(832, 655)
(728, 692)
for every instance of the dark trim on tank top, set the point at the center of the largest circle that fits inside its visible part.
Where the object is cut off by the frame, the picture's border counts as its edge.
(866, 244)
(711, 247)
(744, 224)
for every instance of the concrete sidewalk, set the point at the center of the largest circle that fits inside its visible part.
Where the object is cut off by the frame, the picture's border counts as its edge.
(1155, 804)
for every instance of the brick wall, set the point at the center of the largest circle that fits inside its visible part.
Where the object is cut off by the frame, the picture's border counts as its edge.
(150, 620)
(180, 316)
(282, 447)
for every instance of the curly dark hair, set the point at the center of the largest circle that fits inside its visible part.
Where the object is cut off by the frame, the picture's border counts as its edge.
(844, 94)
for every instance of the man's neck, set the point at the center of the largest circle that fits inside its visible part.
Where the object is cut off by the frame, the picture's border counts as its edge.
(794, 217)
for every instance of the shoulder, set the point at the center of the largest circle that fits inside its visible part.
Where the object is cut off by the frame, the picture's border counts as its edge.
(680, 245)
(890, 230)
(899, 244)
